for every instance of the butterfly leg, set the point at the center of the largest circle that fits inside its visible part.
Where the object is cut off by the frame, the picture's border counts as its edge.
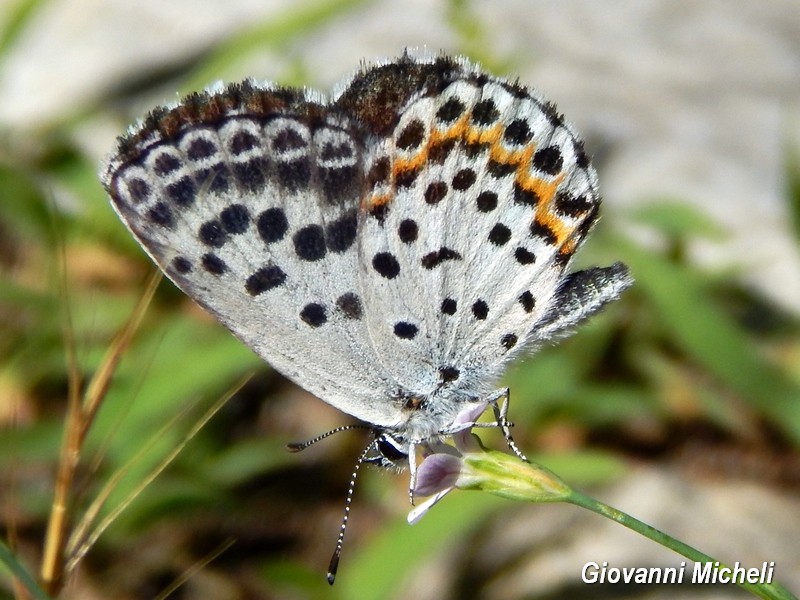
(501, 420)
(501, 414)
(412, 470)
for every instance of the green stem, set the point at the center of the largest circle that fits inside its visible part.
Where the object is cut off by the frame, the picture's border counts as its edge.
(505, 475)
(9, 560)
(768, 591)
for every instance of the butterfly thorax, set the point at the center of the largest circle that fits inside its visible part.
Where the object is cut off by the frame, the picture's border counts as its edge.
(427, 417)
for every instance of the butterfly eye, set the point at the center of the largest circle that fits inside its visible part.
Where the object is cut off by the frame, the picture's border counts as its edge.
(390, 449)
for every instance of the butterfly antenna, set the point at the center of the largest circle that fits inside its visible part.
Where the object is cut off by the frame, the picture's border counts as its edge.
(333, 566)
(298, 446)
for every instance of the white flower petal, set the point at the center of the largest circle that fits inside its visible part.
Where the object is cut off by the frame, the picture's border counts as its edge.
(418, 512)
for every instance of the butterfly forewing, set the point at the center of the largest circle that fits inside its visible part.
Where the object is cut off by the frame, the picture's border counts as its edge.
(254, 215)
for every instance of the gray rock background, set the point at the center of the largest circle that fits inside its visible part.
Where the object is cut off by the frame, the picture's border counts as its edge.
(697, 101)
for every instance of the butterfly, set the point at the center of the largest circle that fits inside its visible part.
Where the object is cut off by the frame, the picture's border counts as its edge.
(390, 248)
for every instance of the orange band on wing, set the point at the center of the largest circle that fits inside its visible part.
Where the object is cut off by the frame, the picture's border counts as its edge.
(543, 189)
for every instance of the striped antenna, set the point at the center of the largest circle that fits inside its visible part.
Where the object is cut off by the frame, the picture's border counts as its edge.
(333, 566)
(298, 446)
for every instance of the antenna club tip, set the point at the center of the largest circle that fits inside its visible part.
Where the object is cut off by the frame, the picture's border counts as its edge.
(294, 446)
(333, 567)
